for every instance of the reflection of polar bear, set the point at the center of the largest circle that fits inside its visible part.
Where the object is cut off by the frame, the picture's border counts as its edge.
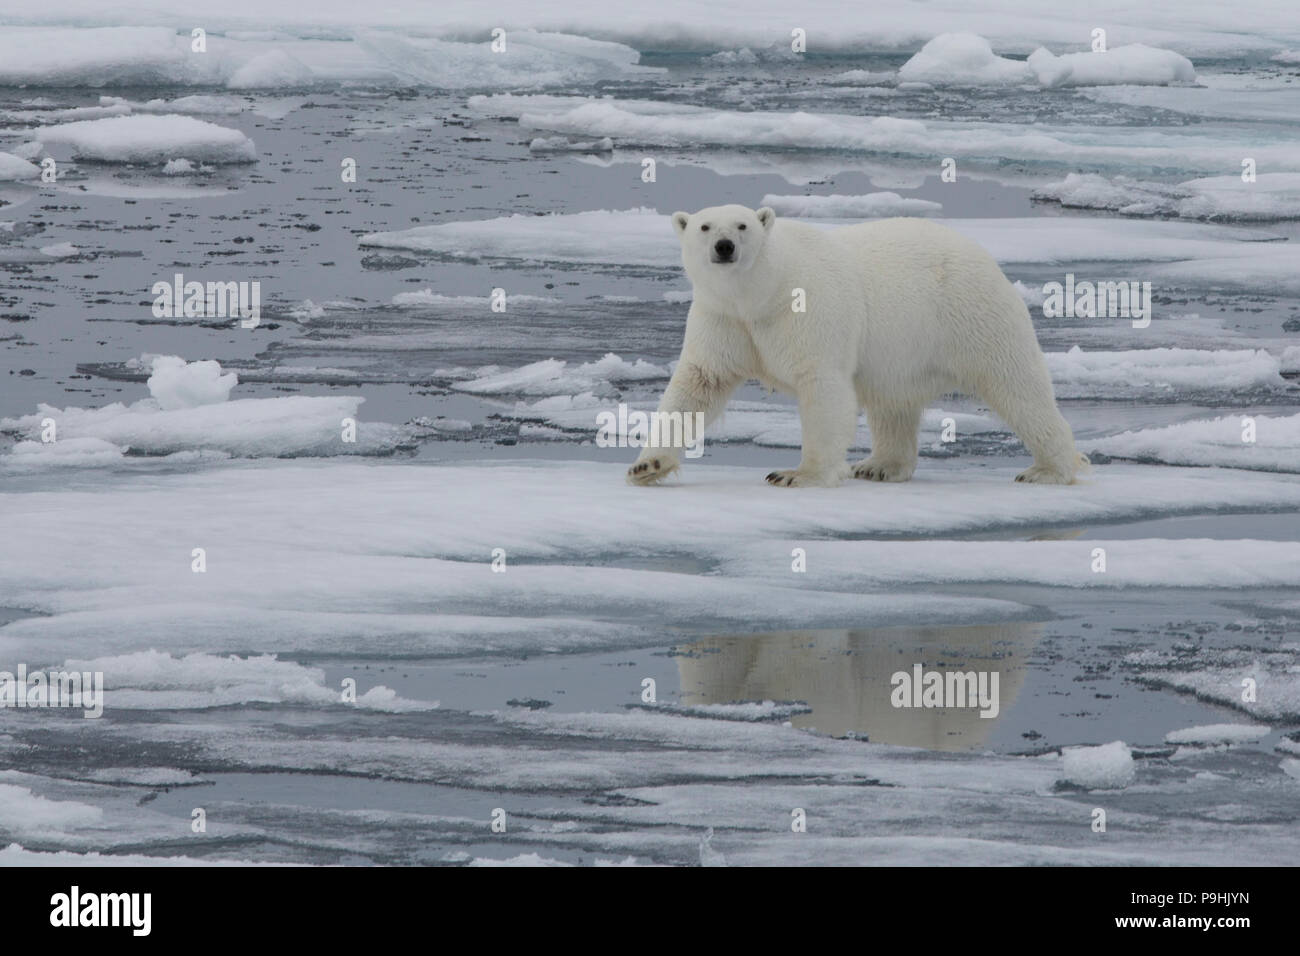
(846, 677)
(897, 312)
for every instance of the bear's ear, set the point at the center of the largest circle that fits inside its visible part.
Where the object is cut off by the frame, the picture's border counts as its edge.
(680, 220)
(767, 216)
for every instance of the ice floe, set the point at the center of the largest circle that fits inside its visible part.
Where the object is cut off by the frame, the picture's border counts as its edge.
(16, 168)
(963, 59)
(1218, 734)
(1257, 442)
(131, 56)
(190, 411)
(1263, 683)
(644, 237)
(1132, 65)
(153, 680)
(966, 59)
(175, 383)
(557, 377)
(1269, 197)
(1108, 767)
(868, 206)
(1119, 374)
(150, 139)
(674, 125)
(730, 25)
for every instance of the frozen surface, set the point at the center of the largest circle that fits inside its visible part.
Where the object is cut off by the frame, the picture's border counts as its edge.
(175, 383)
(1177, 371)
(1019, 25)
(498, 594)
(870, 206)
(1271, 196)
(244, 428)
(1059, 145)
(1218, 734)
(1108, 767)
(16, 168)
(963, 59)
(1264, 443)
(644, 237)
(1134, 64)
(128, 56)
(149, 139)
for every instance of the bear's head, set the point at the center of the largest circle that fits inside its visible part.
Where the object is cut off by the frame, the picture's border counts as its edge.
(727, 238)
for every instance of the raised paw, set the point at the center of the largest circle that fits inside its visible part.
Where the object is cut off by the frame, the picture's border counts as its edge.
(648, 471)
(870, 470)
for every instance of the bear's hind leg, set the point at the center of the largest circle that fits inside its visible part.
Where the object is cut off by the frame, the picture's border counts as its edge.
(893, 442)
(1024, 399)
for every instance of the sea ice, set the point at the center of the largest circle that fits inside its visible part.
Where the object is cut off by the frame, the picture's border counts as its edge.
(1258, 442)
(176, 383)
(868, 206)
(150, 139)
(1108, 767)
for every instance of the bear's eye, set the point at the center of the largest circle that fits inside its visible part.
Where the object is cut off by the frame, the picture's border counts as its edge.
(742, 225)
(704, 228)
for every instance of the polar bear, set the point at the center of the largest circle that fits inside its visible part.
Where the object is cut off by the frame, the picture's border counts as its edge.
(897, 312)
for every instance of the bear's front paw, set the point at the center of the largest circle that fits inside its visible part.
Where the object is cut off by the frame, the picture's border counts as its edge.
(648, 471)
(871, 470)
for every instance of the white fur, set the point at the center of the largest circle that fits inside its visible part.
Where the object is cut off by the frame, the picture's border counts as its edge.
(899, 312)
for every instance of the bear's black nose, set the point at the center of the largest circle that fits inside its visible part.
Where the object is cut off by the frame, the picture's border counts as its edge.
(725, 248)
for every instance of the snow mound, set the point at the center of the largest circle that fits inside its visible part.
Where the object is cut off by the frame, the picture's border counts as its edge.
(150, 139)
(1108, 767)
(963, 59)
(967, 59)
(867, 206)
(176, 383)
(1131, 65)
